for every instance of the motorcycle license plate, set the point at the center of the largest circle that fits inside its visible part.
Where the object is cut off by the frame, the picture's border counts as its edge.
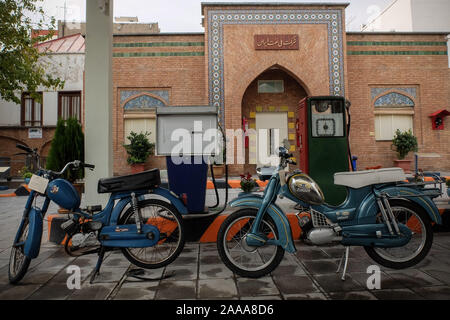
(38, 184)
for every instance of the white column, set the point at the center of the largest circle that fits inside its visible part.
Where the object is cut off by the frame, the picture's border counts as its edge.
(98, 90)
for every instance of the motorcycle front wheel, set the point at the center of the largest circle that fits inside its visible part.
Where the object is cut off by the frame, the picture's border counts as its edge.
(246, 261)
(169, 222)
(18, 261)
(418, 221)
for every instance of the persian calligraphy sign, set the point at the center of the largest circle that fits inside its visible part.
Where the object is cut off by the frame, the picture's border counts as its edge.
(276, 41)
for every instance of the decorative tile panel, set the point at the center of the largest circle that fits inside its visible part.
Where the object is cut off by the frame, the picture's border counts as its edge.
(125, 94)
(143, 102)
(157, 44)
(218, 18)
(411, 91)
(396, 53)
(158, 54)
(393, 99)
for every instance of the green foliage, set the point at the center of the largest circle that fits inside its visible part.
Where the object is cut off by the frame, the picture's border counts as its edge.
(20, 69)
(447, 182)
(139, 148)
(67, 145)
(25, 172)
(404, 142)
(56, 155)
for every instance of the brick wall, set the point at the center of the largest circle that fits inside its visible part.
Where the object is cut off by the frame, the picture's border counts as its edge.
(10, 136)
(402, 60)
(174, 63)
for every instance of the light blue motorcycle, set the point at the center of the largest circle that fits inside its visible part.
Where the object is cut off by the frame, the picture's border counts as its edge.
(390, 217)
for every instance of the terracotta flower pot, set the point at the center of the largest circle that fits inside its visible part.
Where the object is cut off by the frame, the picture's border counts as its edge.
(218, 171)
(137, 167)
(404, 164)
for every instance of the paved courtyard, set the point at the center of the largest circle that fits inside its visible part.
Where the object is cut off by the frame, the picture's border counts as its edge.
(198, 273)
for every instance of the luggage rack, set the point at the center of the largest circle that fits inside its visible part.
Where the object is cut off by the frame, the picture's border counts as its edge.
(420, 183)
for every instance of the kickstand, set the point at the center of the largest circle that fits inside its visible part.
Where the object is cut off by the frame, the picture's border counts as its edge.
(139, 273)
(344, 260)
(96, 271)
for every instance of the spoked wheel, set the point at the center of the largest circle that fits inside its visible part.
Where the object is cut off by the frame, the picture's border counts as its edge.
(237, 255)
(418, 221)
(169, 222)
(18, 262)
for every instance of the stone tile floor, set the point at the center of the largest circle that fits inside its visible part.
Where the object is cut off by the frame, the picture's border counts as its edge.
(199, 274)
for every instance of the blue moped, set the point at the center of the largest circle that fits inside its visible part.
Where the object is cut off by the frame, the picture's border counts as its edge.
(149, 232)
(388, 216)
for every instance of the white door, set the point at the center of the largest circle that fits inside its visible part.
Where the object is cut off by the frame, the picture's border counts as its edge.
(272, 129)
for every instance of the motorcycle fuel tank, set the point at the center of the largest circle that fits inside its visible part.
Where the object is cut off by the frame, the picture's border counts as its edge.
(305, 189)
(63, 193)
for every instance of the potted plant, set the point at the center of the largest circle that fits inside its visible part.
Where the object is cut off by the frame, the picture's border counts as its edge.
(219, 162)
(67, 145)
(26, 174)
(138, 150)
(404, 142)
(248, 183)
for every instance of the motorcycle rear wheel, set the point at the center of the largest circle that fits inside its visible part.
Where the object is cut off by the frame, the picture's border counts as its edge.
(413, 216)
(18, 261)
(169, 222)
(251, 262)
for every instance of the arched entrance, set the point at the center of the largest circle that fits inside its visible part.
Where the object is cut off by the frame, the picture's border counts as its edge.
(271, 102)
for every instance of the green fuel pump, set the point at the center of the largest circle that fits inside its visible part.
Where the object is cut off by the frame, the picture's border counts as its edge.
(323, 142)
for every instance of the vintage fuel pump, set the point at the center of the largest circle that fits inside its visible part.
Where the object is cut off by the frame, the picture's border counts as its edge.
(188, 137)
(323, 142)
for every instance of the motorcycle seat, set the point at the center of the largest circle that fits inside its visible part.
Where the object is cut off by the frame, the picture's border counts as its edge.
(359, 179)
(138, 181)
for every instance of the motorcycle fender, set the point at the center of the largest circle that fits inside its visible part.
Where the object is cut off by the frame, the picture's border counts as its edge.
(174, 200)
(369, 207)
(35, 226)
(281, 222)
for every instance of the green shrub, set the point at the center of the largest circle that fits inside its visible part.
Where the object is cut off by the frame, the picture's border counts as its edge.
(139, 148)
(404, 142)
(67, 145)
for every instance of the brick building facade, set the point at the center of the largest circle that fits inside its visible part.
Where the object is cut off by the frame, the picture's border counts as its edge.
(222, 67)
(390, 78)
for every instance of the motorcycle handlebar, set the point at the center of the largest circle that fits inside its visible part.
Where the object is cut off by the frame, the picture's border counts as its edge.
(24, 148)
(89, 166)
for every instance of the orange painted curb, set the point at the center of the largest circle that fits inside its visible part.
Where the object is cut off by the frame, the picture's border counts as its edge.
(8, 195)
(210, 235)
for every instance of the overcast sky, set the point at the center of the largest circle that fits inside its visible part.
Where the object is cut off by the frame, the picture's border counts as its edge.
(185, 15)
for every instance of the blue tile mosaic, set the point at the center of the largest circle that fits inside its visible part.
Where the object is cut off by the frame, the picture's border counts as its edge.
(143, 102)
(393, 99)
(162, 94)
(411, 91)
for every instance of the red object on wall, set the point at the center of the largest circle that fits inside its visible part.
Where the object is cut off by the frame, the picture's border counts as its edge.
(245, 128)
(302, 135)
(437, 119)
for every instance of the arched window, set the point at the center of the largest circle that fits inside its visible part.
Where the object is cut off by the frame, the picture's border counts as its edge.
(393, 110)
(139, 111)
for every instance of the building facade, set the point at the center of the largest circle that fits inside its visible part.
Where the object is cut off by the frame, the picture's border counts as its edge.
(255, 62)
(393, 80)
(412, 16)
(33, 123)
